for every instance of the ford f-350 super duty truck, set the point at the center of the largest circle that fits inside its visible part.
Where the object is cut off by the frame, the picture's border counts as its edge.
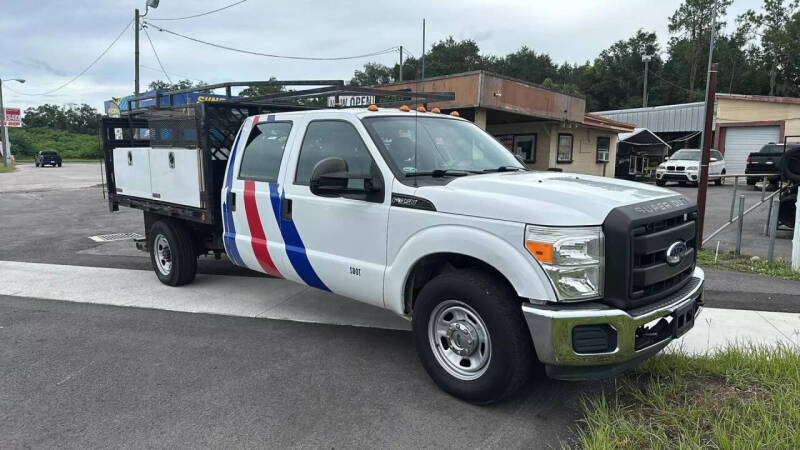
(503, 272)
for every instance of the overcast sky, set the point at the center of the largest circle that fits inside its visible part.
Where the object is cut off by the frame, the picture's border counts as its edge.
(47, 42)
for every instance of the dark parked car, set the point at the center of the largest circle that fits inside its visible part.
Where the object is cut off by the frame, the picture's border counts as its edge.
(48, 158)
(766, 161)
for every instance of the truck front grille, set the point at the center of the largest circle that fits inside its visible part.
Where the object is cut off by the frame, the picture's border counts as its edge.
(637, 240)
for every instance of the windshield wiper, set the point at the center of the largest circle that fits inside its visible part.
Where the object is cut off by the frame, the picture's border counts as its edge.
(505, 169)
(438, 173)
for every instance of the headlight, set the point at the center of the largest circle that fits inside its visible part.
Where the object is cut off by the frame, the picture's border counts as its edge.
(691, 168)
(572, 257)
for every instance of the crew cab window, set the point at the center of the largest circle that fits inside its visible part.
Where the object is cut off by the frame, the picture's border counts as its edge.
(263, 152)
(332, 138)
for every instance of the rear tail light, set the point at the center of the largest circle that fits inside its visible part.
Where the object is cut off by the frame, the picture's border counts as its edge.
(748, 160)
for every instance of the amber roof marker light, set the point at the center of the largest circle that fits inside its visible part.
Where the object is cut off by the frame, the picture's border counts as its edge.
(455, 114)
(436, 110)
(405, 108)
(420, 109)
(373, 107)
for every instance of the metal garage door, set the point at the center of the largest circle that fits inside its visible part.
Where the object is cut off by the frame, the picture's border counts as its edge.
(741, 141)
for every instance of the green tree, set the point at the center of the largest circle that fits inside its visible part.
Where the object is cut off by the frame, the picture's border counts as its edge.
(691, 29)
(775, 30)
(72, 118)
(374, 74)
(179, 85)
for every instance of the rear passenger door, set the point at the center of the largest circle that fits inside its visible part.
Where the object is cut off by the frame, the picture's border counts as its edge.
(339, 242)
(252, 234)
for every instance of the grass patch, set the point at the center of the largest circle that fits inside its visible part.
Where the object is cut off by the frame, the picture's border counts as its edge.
(8, 168)
(780, 268)
(737, 398)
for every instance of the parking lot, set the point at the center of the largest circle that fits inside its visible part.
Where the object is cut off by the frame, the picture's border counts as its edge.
(300, 369)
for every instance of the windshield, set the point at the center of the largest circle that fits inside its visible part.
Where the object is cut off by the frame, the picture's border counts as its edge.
(690, 155)
(425, 145)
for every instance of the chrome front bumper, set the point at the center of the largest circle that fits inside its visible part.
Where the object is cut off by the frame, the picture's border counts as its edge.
(551, 327)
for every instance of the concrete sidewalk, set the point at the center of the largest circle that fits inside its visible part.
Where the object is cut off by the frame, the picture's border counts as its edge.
(278, 299)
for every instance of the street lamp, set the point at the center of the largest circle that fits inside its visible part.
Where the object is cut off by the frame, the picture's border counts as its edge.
(646, 59)
(6, 147)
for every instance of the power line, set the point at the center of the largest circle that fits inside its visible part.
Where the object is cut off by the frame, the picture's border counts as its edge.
(156, 53)
(671, 83)
(84, 70)
(171, 73)
(270, 55)
(201, 14)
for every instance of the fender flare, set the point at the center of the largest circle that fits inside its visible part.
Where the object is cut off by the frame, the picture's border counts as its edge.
(520, 269)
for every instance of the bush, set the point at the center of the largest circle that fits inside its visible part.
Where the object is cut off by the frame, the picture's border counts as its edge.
(26, 141)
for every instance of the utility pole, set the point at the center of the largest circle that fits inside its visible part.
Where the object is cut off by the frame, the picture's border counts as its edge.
(401, 63)
(711, 94)
(710, 56)
(3, 124)
(6, 146)
(136, 58)
(423, 55)
(646, 59)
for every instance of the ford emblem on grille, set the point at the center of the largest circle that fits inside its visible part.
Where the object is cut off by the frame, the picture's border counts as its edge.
(676, 252)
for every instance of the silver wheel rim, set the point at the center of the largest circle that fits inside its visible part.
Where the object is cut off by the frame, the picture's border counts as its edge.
(163, 254)
(459, 340)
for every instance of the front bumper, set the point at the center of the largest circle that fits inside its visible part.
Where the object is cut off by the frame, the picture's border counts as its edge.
(677, 176)
(552, 329)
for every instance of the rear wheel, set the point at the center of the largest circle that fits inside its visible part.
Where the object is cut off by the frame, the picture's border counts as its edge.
(59, 164)
(471, 336)
(172, 253)
(720, 181)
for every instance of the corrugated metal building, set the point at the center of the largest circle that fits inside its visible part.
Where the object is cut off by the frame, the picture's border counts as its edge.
(679, 125)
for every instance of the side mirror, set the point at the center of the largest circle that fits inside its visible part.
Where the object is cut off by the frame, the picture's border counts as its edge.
(331, 178)
(666, 158)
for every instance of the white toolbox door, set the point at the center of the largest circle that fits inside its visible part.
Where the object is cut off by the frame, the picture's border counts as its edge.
(132, 171)
(175, 174)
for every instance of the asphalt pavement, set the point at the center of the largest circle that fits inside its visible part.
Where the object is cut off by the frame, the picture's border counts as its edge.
(89, 376)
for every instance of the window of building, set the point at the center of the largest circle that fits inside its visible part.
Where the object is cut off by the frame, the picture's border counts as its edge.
(564, 148)
(603, 144)
(525, 147)
(263, 152)
(332, 138)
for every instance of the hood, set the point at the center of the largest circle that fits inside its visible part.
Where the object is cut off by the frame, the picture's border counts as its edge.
(540, 198)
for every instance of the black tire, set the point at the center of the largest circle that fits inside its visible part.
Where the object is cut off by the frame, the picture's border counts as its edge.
(752, 181)
(511, 356)
(789, 164)
(182, 254)
(37, 164)
(720, 181)
(59, 164)
(787, 211)
(661, 183)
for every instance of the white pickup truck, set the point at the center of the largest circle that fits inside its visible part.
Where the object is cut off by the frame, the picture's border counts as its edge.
(503, 272)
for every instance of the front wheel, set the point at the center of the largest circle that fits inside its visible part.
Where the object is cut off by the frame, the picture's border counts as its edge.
(661, 183)
(471, 336)
(172, 253)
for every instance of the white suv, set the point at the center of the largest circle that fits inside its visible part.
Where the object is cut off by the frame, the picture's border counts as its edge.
(684, 167)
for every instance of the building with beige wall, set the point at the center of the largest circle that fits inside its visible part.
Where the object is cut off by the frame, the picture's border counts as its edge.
(548, 129)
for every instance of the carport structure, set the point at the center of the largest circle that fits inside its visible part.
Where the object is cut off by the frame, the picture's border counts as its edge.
(639, 153)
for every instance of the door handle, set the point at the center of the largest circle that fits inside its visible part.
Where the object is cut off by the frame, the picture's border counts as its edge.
(286, 209)
(232, 200)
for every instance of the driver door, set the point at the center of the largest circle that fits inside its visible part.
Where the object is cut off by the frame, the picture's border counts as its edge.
(339, 241)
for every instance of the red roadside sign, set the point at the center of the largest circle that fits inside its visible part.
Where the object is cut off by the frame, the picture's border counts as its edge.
(13, 117)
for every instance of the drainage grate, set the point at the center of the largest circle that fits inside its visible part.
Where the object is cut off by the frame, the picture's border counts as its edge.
(116, 237)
